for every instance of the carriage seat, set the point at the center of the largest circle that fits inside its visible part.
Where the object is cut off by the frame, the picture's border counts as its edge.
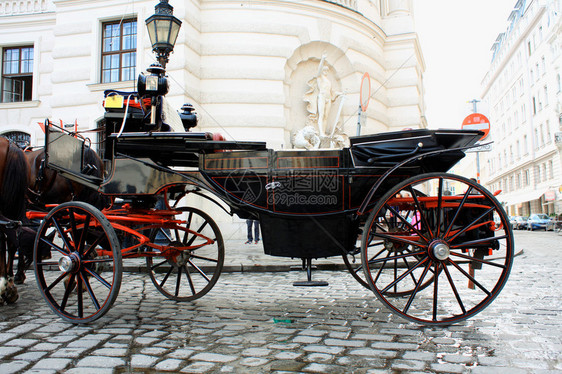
(116, 103)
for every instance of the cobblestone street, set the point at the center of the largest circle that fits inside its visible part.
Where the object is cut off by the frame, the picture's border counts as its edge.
(256, 322)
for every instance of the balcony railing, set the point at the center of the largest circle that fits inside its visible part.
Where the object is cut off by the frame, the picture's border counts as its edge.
(10, 8)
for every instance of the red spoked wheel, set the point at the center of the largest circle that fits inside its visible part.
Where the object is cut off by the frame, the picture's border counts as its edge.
(191, 256)
(446, 253)
(77, 261)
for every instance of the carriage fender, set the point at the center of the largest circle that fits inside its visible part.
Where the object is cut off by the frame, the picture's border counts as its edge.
(363, 208)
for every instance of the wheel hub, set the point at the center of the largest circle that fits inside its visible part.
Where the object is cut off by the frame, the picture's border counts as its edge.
(68, 264)
(183, 257)
(440, 250)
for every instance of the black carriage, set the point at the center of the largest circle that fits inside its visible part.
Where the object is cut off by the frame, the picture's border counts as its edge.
(435, 248)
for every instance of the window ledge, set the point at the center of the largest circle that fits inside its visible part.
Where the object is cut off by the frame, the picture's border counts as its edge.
(20, 104)
(123, 85)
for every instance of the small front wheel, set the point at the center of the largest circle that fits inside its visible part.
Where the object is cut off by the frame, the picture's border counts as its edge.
(192, 256)
(77, 261)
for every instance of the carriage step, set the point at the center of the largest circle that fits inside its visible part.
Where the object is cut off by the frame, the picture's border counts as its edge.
(310, 283)
(307, 265)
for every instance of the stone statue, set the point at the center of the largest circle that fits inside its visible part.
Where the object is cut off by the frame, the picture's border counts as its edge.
(317, 132)
(320, 97)
(306, 138)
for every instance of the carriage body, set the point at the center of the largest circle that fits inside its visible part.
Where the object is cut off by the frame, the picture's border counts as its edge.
(385, 198)
(307, 201)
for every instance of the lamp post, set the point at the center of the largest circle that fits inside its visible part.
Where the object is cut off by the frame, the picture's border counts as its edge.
(163, 29)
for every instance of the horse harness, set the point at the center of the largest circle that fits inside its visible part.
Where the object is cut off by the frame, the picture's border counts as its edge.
(44, 181)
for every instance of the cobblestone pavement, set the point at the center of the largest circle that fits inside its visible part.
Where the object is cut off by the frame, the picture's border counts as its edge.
(260, 323)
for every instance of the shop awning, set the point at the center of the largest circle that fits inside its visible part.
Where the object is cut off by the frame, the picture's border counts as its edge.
(521, 197)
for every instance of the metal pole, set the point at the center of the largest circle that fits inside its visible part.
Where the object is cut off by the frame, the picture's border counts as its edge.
(475, 110)
(359, 121)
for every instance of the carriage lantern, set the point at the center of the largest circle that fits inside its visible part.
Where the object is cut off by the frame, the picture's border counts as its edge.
(163, 29)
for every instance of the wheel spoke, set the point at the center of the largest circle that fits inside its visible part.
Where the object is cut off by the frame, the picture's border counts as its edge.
(178, 281)
(408, 267)
(397, 238)
(412, 254)
(198, 232)
(166, 276)
(435, 290)
(73, 229)
(404, 275)
(67, 291)
(473, 243)
(189, 280)
(482, 261)
(419, 209)
(90, 291)
(56, 281)
(82, 242)
(461, 204)
(454, 288)
(204, 258)
(439, 208)
(80, 298)
(451, 239)
(98, 277)
(199, 271)
(471, 278)
(62, 234)
(158, 265)
(416, 289)
(396, 214)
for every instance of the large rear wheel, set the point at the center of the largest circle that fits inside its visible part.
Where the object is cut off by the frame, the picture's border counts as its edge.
(77, 261)
(192, 256)
(446, 253)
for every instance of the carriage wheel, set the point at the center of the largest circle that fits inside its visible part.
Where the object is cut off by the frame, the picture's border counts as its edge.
(77, 261)
(449, 251)
(192, 256)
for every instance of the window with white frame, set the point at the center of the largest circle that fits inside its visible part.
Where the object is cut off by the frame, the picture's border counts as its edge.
(119, 51)
(17, 74)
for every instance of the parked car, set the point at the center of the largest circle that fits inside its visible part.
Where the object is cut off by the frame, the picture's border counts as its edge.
(553, 224)
(523, 223)
(518, 222)
(537, 221)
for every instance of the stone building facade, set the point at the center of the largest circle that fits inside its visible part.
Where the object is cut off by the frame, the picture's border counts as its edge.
(523, 89)
(244, 65)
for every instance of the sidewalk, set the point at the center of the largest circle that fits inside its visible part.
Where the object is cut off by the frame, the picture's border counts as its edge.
(240, 257)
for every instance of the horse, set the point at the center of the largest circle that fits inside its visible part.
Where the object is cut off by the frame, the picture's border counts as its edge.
(14, 179)
(47, 186)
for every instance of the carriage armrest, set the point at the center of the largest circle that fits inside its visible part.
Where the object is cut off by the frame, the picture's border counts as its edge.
(175, 148)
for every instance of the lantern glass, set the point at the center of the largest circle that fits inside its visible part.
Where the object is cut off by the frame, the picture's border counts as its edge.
(163, 29)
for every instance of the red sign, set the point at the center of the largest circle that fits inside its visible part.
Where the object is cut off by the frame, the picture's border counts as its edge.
(477, 121)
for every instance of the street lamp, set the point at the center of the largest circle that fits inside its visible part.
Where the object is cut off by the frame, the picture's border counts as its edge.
(163, 29)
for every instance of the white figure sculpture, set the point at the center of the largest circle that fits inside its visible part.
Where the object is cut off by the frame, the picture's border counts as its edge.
(306, 138)
(320, 97)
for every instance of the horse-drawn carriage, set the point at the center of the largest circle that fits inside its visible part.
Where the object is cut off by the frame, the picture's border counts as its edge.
(435, 248)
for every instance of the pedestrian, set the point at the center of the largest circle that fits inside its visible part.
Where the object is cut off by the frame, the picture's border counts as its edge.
(256, 231)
